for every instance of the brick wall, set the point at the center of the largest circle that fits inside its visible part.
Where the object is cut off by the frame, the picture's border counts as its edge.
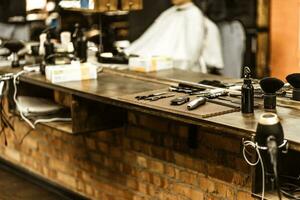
(147, 159)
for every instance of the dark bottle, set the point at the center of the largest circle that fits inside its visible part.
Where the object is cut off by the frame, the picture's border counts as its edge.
(49, 49)
(81, 46)
(75, 35)
(247, 93)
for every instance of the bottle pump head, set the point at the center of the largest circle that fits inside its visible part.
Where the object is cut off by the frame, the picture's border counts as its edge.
(247, 75)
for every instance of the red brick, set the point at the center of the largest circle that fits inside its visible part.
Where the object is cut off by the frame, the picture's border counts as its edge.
(96, 158)
(91, 144)
(179, 130)
(152, 190)
(126, 143)
(141, 161)
(139, 133)
(143, 175)
(58, 143)
(130, 157)
(220, 142)
(200, 166)
(168, 141)
(169, 196)
(225, 190)
(80, 187)
(188, 177)
(31, 143)
(183, 131)
(105, 136)
(241, 165)
(115, 152)
(142, 188)
(220, 172)
(213, 197)
(196, 195)
(170, 171)
(156, 180)
(109, 163)
(90, 191)
(132, 118)
(131, 183)
(242, 195)
(57, 133)
(179, 159)
(241, 179)
(52, 174)
(156, 166)
(177, 173)
(188, 191)
(154, 123)
(158, 152)
(103, 147)
(207, 185)
(182, 189)
(138, 197)
(66, 179)
(61, 166)
(169, 156)
(87, 177)
(12, 154)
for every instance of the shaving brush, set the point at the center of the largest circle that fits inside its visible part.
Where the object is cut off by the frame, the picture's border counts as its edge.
(270, 86)
(294, 80)
(14, 47)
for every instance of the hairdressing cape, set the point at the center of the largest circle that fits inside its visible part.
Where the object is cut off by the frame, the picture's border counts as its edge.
(184, 34)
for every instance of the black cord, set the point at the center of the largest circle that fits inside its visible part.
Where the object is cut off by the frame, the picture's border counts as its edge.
(290, 191)
(276, 178)
(273, 151)
(3, 123)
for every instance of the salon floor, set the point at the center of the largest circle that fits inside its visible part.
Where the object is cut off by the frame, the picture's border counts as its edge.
(13, 187)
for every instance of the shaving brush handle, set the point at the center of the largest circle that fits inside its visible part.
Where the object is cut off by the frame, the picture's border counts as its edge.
(296, 94)
(270, 101)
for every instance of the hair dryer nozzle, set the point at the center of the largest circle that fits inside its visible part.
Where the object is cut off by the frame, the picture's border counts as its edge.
(269, 125)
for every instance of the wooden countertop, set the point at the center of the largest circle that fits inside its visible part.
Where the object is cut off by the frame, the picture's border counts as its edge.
(112, 85)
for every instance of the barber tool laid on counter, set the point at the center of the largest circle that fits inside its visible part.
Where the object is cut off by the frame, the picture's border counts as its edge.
(196, 103)
(155, 97)
(247, 93)
(294, 80)
(186, 90)
(180, 101)
(270, 86)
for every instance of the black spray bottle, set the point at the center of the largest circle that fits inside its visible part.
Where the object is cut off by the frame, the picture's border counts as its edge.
(75, 35)
(49, 48)
(81, 45)
(247, 93)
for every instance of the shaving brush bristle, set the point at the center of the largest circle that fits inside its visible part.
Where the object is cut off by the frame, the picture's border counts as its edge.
(14, 45)
(271, 85)
(294, 80)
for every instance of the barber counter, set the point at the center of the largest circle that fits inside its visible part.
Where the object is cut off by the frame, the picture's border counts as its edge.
(121, 148)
